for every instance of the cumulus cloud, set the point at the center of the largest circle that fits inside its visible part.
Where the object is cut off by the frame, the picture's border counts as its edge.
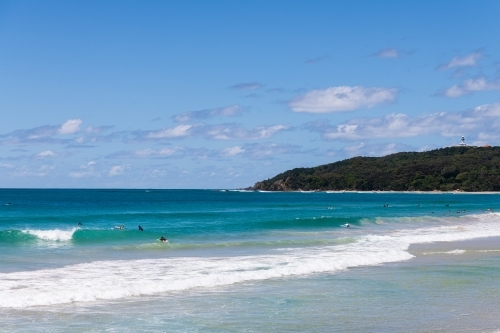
(470, 86)
(232, 151)
(228, 111)
(29, 171)
(40, 134)
(265, 150)
(482, 119)
(169, 133)
(234, 131)
(247, 86)
(56, 134)
(118, 170)
(342, 98)
(86, 170)
(466, 61)
(46, 153)
(226, 131)
(69, 127)
(379, 149)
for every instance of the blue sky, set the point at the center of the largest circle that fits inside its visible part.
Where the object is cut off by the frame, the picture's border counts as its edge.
(221, 94)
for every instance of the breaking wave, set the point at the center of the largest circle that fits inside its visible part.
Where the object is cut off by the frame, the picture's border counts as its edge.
(108, 280)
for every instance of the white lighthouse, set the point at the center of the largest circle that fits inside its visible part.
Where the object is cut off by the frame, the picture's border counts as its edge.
(462, 144)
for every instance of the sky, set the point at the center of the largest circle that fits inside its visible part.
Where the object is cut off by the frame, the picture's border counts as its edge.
(222, 94)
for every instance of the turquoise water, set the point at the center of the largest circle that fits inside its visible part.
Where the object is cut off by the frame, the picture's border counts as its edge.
(248, 261)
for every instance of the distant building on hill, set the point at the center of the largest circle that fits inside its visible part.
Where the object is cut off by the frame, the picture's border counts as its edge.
(463, 144)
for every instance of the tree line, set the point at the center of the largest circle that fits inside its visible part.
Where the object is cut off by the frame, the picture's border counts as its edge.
(470, 169)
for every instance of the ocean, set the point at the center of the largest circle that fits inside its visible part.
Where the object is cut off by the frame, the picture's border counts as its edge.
(238, 261)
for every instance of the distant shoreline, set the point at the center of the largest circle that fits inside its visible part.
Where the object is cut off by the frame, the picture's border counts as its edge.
(373, 192)
(448, 170)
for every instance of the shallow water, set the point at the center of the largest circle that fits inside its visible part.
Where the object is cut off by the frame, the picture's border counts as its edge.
(248, 261)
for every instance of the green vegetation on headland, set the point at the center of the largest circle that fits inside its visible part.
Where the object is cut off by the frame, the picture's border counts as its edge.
(471, 169)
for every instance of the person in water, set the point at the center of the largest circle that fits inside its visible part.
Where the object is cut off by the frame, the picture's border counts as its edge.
(163, 239)
(79, 223)
(140, 228)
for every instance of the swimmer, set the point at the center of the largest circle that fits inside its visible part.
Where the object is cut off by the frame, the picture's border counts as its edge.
(140, 228)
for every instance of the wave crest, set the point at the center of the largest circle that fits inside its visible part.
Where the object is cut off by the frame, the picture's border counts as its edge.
(52, 235)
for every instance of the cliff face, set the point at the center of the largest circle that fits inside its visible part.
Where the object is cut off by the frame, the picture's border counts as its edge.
(278, 185)
(448, 169)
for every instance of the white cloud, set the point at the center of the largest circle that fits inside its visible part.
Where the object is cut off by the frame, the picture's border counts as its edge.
(237, 132)
(85, 170)
(470, 86)
(7, 166)
(174, 132)
(382, 149)
(268, 131)
(26, 171)
(46, 153)
(232, 151)
(343, 98)
(70, 127)
(480, 120)
(118, 170)
(468, 60)
(46, 134)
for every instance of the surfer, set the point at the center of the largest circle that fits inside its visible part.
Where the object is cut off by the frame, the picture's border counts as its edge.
(79, 223)
(163, 239)
(346, 225)
(140, 228)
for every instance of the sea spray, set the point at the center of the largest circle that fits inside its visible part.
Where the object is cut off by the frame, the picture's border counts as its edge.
(52, 235)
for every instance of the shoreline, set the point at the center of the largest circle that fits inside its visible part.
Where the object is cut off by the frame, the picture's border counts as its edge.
(369, 192)
(446, 251)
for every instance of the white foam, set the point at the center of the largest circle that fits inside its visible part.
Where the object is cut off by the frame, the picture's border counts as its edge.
(52, 235)
(458, 251)
(107, 280)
